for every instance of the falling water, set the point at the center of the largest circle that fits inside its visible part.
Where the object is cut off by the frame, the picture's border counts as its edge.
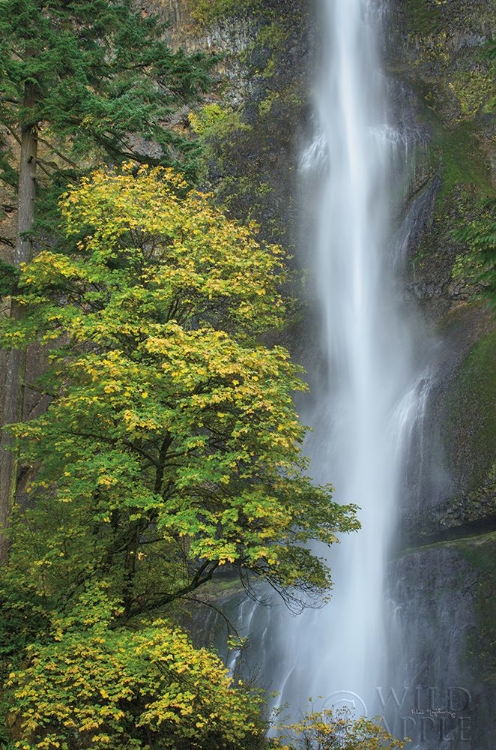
(369, 394)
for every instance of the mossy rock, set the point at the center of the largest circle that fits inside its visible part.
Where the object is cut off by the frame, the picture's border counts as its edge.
(471, 412)
(424, 16)
(429, 17)
(481, 554)
(478, 580)
(206, 12)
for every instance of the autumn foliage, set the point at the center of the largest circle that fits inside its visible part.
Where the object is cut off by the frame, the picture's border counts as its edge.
(170, 450)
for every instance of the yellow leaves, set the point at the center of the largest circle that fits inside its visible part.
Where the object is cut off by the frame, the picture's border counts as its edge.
(130, 419)
(102, 739)
(106, 481)
(197, 246)
(112, 387)
(120, 665)
(160, 415)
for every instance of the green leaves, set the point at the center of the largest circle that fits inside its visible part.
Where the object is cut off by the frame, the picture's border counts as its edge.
(479, 264)
(170, 448)
(169, 421)
(90, 685)
(104, 85)
(9, 276)
(167, 408)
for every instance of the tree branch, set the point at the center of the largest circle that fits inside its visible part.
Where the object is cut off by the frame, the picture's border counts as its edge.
(57, 152)
(203, 575)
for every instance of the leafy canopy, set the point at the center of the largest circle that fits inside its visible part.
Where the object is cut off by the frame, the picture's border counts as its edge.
(93, 686)
(97, 82)
(170, 449)
(171, 446)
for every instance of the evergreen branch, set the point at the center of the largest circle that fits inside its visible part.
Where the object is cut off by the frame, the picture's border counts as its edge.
(12, 132)
(58, 153)
(7, 241)
(44, 166)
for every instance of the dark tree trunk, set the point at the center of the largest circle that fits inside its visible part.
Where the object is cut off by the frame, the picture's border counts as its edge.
(14, 372)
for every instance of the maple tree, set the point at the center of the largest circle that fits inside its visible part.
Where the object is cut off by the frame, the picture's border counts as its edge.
(171, 446)
(170, 449)
(92, 685)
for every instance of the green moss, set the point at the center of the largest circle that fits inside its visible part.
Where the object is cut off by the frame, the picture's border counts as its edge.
(480, 552)
(456, 151)
(461, 163)
(215, 121)
(481, 555)
(274, 31)
(429, 17)
(465, 545)
(424, 17)
(209, 11)
(272, 35)
(472, 412)
(475, 90)
(457, 156)
(456, 85)
(462, 160)
(266, 104)
(215, 124)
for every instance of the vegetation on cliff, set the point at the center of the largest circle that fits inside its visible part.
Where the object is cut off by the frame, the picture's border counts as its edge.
(451, 67)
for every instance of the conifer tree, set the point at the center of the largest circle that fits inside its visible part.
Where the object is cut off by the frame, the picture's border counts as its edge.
(81, 81)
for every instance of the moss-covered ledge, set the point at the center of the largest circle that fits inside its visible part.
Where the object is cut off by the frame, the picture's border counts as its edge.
(479, 551)
(470, 420)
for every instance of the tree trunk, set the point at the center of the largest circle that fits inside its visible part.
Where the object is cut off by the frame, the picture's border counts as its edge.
(14, 374)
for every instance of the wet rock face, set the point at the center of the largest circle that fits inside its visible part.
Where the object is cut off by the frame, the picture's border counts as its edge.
(452, 455)
(455, 291)
(418, 575)
(434, 621)
(437, 50)
(442, 593)
(266, 57)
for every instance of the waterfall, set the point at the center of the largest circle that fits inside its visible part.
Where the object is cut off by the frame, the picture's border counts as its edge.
(369, 394)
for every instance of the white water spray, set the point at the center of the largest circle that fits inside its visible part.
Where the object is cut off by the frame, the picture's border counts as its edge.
(370, 395)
